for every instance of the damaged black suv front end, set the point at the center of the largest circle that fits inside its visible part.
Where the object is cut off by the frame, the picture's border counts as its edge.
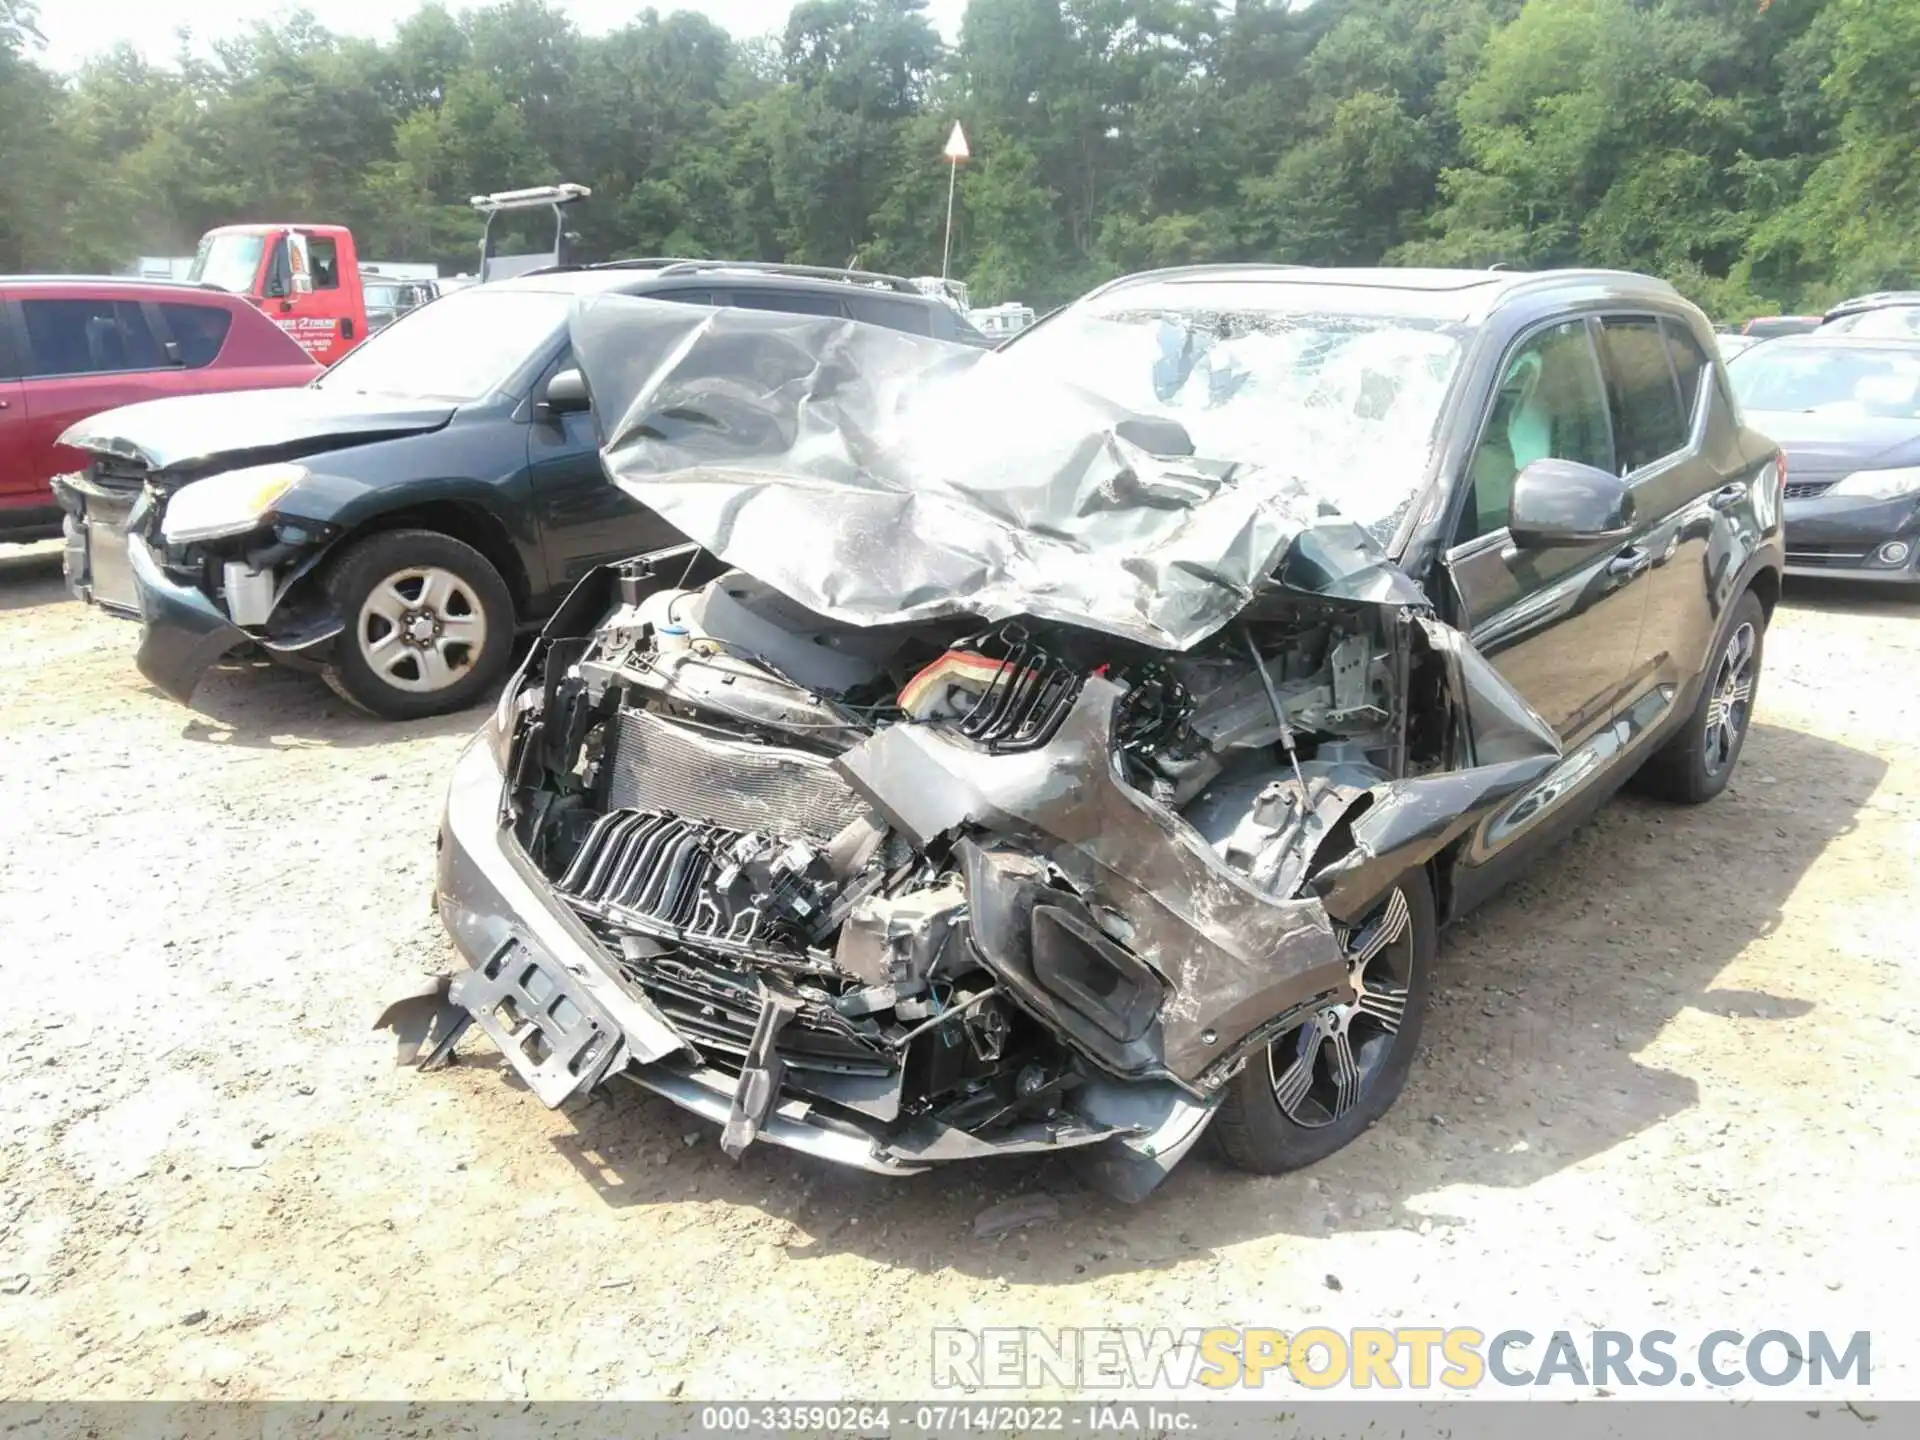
(974, 790)
(929, 892)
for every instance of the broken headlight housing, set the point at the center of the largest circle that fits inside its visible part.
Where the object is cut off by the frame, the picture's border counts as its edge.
(229, 504)
(1880, 484)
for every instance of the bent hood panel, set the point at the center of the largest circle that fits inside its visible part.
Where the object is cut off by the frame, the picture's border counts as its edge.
(878, 478)
(188, 431)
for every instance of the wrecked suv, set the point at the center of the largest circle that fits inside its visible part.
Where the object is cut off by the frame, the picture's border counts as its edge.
(1073, 747)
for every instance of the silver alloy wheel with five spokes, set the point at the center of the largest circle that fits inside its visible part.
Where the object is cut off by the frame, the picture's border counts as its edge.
(1320, 1071)
(422, 629)
(1732, 699)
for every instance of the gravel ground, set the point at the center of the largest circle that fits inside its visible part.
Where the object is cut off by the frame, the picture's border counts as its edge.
(1668, 1081)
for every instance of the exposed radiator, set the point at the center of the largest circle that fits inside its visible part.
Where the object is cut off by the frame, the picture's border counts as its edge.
(663, 766)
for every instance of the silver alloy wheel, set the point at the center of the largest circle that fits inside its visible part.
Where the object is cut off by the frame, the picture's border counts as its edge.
(1320, 1071)
(1731, 704)
(422, 629)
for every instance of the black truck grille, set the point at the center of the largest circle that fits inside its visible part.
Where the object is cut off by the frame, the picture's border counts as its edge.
(661, 765)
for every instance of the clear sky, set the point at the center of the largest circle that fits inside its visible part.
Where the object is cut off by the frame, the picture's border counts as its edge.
(75, 29)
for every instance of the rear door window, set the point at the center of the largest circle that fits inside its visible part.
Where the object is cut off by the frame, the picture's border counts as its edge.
(88, 337)
(198, 330)
(791, 302)
(893, 314)
(1649, 423)
(1689, 365)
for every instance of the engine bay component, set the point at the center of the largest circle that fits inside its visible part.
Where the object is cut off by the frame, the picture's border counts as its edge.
(706, 775)
(677, 877)
(1001, 690)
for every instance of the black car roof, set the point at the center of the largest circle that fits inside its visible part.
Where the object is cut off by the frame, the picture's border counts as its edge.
(638, 276)
(1452, 294)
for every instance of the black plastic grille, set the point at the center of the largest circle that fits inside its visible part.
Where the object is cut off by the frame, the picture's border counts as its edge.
(1025, 702)
(716, 1009)
(1807, 489)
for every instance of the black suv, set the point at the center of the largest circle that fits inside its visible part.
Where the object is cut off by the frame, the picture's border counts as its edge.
(1095, 758)
(394, 524)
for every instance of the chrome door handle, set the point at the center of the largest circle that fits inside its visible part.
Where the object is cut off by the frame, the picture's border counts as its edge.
(1727, 496)
(1630, 562)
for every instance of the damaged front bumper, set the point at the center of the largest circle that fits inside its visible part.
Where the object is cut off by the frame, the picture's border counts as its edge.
(545, 992)
(109, 561)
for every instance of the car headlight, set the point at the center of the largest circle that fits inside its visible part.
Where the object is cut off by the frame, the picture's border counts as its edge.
(229, 504)
(1880, 484)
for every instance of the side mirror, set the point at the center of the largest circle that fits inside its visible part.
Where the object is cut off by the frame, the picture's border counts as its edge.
(1563, 502)
(567, 394)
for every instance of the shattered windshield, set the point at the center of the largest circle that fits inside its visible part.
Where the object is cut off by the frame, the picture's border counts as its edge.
(1321, 386)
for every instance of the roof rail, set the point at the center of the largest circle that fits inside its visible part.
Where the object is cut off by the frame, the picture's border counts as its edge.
(669, 266)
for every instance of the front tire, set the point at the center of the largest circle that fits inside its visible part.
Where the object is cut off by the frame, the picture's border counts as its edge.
(1696, 764)
(429, 624)
(1320, 1084)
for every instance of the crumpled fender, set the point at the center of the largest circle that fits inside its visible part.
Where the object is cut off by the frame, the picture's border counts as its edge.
(1233, 956)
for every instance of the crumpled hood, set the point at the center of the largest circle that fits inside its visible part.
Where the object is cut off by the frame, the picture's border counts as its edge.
(188, 431)
(1821, 444)
(877, 477)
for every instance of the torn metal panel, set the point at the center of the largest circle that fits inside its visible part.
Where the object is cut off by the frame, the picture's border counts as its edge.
(1231, 954)
(877, 477)
(1500, 724)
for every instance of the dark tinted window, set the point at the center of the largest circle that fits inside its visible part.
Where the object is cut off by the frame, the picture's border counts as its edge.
(199, 331)
(893, 314)
(88, 337)
(323, 255)
(792, 302)
(681, 297)
(1648, 421)
(1551, 404)
(1689, 364)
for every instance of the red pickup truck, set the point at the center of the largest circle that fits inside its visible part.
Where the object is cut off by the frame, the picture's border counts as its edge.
(304, 278)
(71, 347)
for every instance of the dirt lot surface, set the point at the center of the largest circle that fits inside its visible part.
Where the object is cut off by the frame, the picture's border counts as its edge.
(1669, 1080)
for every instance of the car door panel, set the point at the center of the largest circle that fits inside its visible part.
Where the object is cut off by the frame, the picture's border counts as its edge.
(1560, 624)
(70, 375)
(1706, 503)
(585, 519)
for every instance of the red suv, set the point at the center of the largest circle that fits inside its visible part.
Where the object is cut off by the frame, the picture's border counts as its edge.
(71, 347)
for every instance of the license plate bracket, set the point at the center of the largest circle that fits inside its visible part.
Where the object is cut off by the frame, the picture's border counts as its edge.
(552, 1031)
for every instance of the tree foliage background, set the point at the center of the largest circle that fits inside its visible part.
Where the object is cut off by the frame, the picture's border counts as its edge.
(1759, 153)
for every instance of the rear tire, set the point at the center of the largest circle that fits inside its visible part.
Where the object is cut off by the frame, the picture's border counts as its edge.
(1696, 764)
(429, 624)
(1289, 1107)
